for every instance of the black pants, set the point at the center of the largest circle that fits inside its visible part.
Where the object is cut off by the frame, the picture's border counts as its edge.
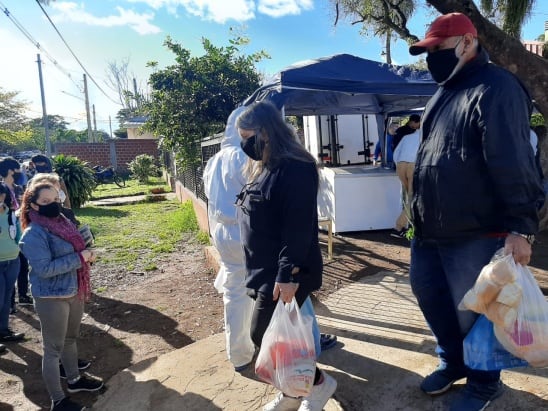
(263, 311)
(22, 279)
(262, 314)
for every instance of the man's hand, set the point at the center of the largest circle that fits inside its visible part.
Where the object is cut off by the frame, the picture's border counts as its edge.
(519, 247)
(286, 291)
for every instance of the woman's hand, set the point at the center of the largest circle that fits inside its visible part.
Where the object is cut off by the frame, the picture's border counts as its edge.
(285, 290)
(88, 256)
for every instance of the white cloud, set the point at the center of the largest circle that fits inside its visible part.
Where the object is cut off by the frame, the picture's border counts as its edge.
(280, 8)
(220, 11)
(72, 12)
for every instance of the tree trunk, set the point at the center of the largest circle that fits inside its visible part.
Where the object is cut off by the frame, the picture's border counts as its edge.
(388, 47)
(509, 53)
(505, 51)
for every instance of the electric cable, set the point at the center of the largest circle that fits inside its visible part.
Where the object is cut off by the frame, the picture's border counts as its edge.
(74, 55)
(29, 36)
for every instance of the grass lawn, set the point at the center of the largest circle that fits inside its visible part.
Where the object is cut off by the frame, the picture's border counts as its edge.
(132, 188)
(133, 235)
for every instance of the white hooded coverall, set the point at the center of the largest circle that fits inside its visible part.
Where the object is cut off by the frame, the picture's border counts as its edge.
(223, 180)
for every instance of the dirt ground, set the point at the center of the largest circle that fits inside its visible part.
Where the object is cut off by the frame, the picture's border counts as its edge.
(141, 315)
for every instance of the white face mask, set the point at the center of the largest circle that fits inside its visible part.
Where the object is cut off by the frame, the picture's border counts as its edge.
(62, 196)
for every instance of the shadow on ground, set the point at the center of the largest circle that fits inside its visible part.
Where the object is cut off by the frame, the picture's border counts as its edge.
(136, 318)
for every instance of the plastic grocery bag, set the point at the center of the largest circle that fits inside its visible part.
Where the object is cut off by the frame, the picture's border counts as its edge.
(287, 358)
(482, 350)
(527, 336)
(307, 311)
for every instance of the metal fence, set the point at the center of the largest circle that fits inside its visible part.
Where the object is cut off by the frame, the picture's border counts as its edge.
(192, 177)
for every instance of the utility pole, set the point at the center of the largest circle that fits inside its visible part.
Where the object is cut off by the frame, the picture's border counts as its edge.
(110, 125)
(95, 139)
(94, 118)
(44, 112)
(90, 134)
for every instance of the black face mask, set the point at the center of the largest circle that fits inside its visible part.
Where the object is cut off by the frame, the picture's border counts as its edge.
(46, 168)
(441, 64)
(249, 145)
(51, 210)
(18, 178)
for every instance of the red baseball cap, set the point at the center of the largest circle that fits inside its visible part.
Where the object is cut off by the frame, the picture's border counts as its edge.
(448, 25)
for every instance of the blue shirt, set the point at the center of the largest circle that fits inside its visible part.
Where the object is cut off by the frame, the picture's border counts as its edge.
(389, 153)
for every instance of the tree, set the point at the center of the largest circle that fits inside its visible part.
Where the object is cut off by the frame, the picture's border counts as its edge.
(59, 133)
(23, 139)
(382, 18)
(504, 48)
(131, 96)
(513, 13)
(12, 110)
(193, 98)
(55, 122)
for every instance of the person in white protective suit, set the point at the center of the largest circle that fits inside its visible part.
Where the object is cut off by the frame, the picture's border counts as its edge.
(223, 180)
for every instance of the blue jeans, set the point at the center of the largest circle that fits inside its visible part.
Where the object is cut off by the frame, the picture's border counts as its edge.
(441, 273)
(8, 275)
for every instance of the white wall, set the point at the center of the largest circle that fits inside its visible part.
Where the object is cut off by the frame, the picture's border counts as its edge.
(138, 133)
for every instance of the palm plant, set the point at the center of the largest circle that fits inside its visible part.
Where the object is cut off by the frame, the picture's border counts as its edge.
(78, 178)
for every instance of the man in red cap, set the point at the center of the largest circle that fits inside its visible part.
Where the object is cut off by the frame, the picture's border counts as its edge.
(475, 190)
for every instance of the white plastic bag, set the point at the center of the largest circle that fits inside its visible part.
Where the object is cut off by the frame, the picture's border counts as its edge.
(287, 358)
(527, 337)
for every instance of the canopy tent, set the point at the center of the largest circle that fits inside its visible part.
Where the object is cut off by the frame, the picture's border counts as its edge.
(346, 84)
(343, 85)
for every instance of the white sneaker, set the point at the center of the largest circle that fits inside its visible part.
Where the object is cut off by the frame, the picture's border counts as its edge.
(283, 403)
(320, 394)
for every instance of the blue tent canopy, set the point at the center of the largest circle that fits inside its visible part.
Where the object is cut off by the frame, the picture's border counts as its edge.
(346, 84)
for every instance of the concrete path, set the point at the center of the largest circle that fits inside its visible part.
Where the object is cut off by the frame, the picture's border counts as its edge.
(384, 351)
(115, 201)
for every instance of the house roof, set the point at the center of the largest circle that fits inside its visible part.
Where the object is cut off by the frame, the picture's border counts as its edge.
(135, 122)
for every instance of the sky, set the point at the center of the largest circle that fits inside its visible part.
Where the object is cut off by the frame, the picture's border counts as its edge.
(110, 31)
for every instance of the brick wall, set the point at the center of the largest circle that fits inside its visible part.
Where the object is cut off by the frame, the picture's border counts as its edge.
(116, 153)
(127, 150)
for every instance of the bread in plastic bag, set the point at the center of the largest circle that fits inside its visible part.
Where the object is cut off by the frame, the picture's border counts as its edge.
(287, 358)
(527, 337)
(510, 294)
(492, 278)
(501, 314)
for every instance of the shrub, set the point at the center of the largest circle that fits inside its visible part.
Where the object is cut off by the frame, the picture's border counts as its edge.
(78, 178)
(537, 119)
(143, 167)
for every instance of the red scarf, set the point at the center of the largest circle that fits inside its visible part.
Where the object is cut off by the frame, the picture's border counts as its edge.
(62, 227)
(14, 202)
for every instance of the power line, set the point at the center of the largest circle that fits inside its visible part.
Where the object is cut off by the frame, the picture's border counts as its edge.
(73, 54)
(26, 33)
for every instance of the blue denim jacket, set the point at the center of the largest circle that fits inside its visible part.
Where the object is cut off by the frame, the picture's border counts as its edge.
(53, 263)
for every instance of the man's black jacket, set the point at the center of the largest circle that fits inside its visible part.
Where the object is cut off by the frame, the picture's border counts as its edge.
(475, 172)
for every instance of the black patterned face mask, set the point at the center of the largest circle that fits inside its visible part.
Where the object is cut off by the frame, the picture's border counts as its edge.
(253, 147)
